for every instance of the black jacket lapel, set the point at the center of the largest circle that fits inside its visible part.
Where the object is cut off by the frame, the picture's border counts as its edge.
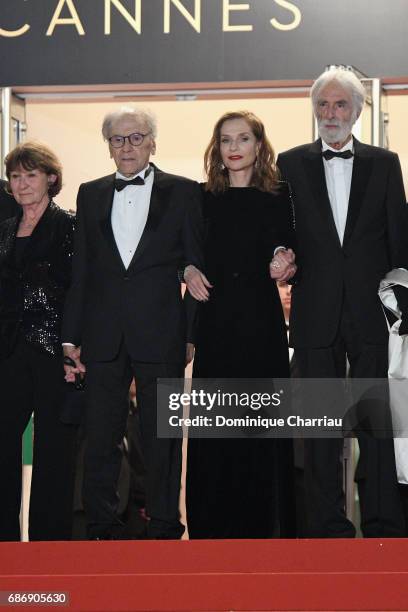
(159, 203)
(41, 236)
(362, 168)
(105, 201)
(313, 162)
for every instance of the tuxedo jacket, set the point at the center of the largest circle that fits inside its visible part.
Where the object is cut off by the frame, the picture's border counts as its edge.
(140, 305)
(8, 205)
(375, 241)
(32, 292)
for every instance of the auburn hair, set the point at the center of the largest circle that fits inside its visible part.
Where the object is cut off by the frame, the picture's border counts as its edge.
(265, 176)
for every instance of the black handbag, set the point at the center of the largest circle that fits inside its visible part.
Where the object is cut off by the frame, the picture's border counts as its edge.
(73, 405)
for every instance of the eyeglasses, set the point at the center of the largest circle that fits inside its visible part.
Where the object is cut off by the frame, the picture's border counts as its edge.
(135, 140)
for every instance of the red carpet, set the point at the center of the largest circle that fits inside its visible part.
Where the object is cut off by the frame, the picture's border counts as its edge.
(212, 575)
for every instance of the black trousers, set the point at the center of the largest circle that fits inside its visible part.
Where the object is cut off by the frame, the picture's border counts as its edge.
(107, 385)
(33, 381)
(380, 506)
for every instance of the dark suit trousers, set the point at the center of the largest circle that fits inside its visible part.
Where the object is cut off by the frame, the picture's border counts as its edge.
(107, 385)
(381, 512)
(33, 381)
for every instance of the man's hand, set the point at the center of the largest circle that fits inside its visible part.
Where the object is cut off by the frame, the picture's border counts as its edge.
(282, 266)
(74, 352)
(189, 353)
(197, 283)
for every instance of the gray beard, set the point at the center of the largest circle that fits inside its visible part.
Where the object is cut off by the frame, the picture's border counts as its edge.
(340, 134)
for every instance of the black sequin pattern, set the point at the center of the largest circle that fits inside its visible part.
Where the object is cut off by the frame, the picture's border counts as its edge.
(33, 287)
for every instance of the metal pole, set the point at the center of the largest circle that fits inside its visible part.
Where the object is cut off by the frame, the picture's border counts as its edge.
(5, 124)
(376, 121)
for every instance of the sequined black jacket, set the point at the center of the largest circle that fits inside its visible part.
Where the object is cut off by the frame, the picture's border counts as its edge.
(32, 294)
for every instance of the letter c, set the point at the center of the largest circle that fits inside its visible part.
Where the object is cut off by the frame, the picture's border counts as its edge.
(15, 33)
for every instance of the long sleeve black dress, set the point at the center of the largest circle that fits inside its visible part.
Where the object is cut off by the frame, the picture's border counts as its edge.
(241, 488)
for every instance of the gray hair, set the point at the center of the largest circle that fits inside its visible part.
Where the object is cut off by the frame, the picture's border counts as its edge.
(139, 114)
(346, 79)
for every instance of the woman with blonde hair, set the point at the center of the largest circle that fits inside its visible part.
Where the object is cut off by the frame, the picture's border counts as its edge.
(240, 488)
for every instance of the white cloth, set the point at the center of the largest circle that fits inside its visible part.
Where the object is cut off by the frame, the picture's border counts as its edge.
(129, 214)
(338, 173)
(397, 371)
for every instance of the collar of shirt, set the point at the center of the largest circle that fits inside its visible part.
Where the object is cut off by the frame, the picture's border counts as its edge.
(347, 147)
(129, 178)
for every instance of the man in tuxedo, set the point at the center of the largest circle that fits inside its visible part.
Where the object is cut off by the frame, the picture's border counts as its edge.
(135, 230)
(8, 205)
(351, 225)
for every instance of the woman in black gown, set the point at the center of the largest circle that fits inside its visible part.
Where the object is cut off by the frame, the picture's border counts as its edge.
(241, 488)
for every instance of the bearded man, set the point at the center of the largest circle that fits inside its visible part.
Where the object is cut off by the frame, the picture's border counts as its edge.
(351, 224)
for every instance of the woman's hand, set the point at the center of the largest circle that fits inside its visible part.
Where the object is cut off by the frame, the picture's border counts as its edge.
(197, 283)
(74, 353)
(282, 266)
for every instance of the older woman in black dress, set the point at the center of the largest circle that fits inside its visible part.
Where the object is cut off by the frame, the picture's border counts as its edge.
(241, 488)
(35, 269)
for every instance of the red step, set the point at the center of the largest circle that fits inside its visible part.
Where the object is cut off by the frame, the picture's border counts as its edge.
(250, 575)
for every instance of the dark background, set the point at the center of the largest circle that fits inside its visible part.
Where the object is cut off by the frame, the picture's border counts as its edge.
(369, 34)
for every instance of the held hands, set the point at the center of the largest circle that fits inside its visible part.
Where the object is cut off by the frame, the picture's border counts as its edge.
(282, 266)
(74, 352)
(197, 283)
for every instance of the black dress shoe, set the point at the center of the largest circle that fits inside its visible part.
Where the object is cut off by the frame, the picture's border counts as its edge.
(162, 530)
(98, 531)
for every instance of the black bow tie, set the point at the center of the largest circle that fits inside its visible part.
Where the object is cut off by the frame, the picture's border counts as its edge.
(329, 154)
(121, 183)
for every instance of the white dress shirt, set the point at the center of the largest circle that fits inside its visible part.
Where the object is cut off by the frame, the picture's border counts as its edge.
(338, 173)
(129, 214)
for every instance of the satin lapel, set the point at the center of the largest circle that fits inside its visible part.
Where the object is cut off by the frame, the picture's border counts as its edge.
(104, 198)
(159, 203)
(313, 163)
(362, 168)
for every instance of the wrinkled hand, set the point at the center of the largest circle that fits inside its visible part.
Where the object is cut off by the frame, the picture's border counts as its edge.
(189, 353)
(282, 266)
(74, 352)
(197, 283)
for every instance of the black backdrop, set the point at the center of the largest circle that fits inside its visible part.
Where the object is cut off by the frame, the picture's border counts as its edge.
(369, 34)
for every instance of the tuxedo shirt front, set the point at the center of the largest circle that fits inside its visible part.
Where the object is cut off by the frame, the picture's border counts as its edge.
(338, 172)
(130, 209)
